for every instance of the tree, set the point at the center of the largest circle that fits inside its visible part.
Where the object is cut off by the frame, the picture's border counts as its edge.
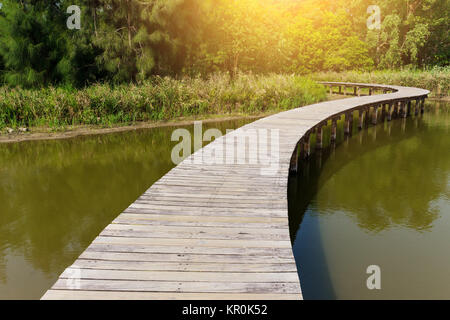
(141, 38)
(37, 49)
(31, 44)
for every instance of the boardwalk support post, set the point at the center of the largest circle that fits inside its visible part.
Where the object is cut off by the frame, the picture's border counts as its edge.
(375, 115)
(348, 123)
(361, 119)
(306, 150)
(404, 109)
(334, 129)
(293, 168)
(383, 111)
(319, 137)
(389, 112)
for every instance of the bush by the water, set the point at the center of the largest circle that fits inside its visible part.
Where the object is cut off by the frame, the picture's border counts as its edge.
(160, 98)
(437, 80)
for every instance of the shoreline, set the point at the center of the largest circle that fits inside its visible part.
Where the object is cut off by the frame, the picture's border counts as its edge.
(41, 133)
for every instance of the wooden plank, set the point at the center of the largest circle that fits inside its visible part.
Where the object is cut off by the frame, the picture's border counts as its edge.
(180, 257)
(216, 203)
(126, 219)
(178, 266)
(229, 243)
(199, 230)
(121, 295)
(267, 252)
(205, 235)
(204, 219)
(167, 286)
(199, 211)
(137, 275)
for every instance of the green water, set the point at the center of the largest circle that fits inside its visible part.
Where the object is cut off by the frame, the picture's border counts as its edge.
(57, 196)
(381, 197)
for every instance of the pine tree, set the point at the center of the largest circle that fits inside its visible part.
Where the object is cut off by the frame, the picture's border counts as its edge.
(141, 38)
(30, 44)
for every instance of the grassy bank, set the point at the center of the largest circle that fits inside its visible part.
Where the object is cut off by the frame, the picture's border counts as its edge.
(153, 100)
(436, 80)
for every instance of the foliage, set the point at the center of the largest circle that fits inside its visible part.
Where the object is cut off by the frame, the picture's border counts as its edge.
(159, 98)
(133, 40)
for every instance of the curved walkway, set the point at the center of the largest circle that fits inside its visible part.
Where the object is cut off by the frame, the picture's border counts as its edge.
(216, 226)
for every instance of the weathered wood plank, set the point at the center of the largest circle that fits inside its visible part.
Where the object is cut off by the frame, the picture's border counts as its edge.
(178, 266)
(262, 277)
(121, 295)
(167, 286)
(204, 218)
(229, 243)
(180, 257)
(267, 252)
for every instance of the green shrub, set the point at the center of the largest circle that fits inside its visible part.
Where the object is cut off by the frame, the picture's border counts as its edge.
(156, 99)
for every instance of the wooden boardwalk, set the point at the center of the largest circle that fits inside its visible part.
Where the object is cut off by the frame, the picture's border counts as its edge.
(218, 231)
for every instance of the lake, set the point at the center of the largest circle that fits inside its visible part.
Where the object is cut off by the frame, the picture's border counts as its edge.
(379, 198)
(56, 196)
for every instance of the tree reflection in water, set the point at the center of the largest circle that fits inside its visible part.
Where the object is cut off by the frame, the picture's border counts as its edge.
(390, 176)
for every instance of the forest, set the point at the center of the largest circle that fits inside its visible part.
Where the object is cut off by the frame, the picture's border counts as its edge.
(123, 41)
(65, 63)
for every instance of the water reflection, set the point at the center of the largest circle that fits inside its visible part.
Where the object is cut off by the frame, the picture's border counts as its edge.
(56, 197)
(390, 181)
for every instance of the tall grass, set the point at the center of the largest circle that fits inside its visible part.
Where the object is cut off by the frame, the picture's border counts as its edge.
(437, 80)
(156, 99)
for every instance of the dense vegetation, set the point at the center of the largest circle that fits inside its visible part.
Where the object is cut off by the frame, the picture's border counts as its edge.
(138, 60)
(160, 98)
(133, 40)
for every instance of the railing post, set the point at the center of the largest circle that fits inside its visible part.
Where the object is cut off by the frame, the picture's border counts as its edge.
(370, 91)
(331, 89)
(340, 89)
